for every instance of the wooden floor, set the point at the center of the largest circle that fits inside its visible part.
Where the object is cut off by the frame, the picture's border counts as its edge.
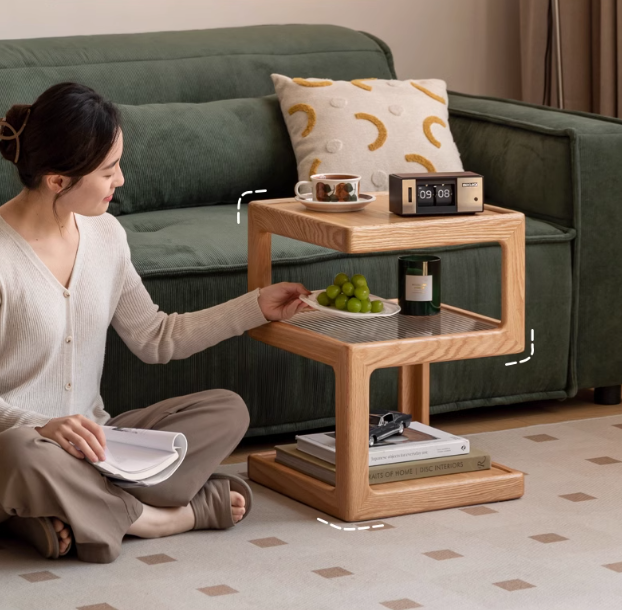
(469, 421)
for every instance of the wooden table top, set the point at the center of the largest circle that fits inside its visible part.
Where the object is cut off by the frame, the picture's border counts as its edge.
(375, 228)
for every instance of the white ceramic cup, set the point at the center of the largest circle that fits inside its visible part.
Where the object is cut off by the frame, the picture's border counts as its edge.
(334, 187)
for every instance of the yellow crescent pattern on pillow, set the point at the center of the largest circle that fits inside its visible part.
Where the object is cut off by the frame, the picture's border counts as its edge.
(427, 124)
(375, 125)
(359, 83)
(438, 98)
(382, 130)
(314, 166)
(308, 83)
(422, 161)
(311, 117)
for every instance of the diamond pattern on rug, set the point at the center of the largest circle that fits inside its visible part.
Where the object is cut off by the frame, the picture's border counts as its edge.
(578, 497)
(155, 559)
(541, 438)
(547, 538)
(374, 526)
(332, 572)
(442, 555)
(266, 542)
(477, 511)
(517, 542)
(401, 604)
(513, 585)
(218, 590)
(602, 461)
(39, 576)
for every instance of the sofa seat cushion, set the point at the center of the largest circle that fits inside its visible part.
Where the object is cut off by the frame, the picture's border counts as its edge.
(208, 240)
(195, 258)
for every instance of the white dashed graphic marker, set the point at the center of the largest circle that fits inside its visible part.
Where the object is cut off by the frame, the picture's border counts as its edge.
(247, 193)
(528, 357)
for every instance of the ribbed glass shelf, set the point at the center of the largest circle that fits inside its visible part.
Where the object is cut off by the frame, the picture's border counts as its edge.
(351, 330)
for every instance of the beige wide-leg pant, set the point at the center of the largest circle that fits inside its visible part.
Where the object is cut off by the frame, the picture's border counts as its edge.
(40, 479)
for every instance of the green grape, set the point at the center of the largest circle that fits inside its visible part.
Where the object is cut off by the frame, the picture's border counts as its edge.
(354, 305)
(323, 299)
(348, 288)
(365, 306)
(377, 306)
(341, 279)
(341, 301)
(332, 292)
(361, 293)
(359, 281)
(348, 187)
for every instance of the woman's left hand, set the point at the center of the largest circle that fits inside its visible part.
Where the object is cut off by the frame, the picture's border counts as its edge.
(281, 302)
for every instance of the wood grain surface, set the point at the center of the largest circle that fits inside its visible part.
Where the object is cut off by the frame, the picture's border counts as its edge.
(376, 229)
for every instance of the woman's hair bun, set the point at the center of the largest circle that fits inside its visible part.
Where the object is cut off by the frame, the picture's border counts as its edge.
(68, 130)
(15, 117)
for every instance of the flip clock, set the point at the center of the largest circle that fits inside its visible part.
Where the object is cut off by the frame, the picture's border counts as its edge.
(435, 194)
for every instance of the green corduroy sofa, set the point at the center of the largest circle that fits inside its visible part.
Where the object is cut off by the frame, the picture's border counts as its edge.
(202, 125)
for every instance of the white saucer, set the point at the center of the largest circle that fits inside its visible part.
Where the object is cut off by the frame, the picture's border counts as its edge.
(390, 308)
(336, 206)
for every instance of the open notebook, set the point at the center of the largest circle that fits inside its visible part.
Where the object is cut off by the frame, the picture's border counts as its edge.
(136, 457)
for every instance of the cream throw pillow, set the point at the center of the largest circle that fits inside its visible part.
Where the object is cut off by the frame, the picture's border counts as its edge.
(371, 127)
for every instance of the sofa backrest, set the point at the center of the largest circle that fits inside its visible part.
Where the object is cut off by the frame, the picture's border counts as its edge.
(189, 67)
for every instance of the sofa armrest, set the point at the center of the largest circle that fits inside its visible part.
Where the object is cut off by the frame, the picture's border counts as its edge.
(563, 167)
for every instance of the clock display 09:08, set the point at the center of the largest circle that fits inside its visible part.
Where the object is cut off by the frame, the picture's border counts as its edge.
(435, 194)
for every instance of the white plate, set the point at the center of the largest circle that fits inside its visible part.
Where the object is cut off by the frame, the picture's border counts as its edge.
(390, 308)
(336, 206)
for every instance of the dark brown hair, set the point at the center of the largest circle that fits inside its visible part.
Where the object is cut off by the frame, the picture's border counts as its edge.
(70, 131)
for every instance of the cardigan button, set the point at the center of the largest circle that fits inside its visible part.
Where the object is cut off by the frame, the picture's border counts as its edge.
(68, 339)
(68, 386)
(66, 294)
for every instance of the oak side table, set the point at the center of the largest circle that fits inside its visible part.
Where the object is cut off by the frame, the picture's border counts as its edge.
(355, 348)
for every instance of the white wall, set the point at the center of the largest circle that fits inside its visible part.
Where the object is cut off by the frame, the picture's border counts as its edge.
(472, 44)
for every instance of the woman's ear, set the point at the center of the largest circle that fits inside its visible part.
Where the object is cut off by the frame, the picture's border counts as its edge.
(55, 182)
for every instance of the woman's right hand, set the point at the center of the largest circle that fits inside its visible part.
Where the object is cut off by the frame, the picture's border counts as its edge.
(86, 435)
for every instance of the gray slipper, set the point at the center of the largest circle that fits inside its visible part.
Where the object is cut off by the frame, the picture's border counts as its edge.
(239, 485)
(40, 533)
(212, 504)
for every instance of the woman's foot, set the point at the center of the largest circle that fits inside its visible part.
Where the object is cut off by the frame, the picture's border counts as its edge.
(63, 533)
(157, 522)
(237, 505)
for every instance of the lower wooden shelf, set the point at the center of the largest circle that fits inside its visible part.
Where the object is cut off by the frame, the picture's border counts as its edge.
(389, 499)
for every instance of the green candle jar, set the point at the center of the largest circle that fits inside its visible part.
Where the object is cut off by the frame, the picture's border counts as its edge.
(419, 292)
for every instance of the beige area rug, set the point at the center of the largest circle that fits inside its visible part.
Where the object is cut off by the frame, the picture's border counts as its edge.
(558, 547)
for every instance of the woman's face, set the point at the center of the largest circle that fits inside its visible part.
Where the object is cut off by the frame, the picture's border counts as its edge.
(91, 196)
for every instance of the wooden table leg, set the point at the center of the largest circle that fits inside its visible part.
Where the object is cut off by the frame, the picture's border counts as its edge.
(513, 286)
(259, 253)
(414, 391)
(352, 435)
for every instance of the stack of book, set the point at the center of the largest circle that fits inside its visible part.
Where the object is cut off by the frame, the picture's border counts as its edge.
(421, 451)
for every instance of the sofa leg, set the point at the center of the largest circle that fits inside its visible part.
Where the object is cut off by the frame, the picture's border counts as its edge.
(609, 395)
